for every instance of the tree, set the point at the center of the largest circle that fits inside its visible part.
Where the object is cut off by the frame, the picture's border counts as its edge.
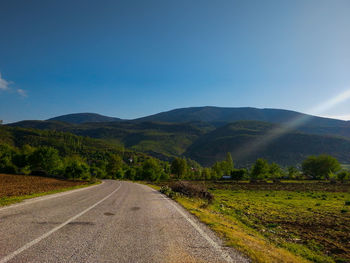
(130, 174)
(319, 167)
(45, 160)
(260, 170)
(151, 170)
(76, 168)
(219, 169)
(179, 167)
(343, 176)
(293, 173)
(206, 174)
(229, 165)
(114, 167)
(6, 156)
(275, 171)
(238, 174)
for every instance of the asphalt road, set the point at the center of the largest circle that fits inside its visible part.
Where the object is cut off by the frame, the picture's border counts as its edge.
(111, 222)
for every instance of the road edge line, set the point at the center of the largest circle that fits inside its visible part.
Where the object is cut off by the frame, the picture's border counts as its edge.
(197, 227)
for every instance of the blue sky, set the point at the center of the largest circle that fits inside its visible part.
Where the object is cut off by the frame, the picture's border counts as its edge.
(134, 58)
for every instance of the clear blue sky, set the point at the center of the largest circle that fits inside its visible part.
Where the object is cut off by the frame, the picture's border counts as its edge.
(133, 58)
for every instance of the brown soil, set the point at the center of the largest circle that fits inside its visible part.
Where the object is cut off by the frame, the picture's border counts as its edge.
(16, 185)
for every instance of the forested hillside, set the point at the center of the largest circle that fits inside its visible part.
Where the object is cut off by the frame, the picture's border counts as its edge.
(245, 141)
(202, 142)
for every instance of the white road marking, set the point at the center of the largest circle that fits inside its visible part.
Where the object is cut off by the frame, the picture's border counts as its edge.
(215, 245)
(35, 241)
(46, 197)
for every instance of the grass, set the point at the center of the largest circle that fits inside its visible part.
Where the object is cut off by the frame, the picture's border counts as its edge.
(16, 188)
(272, 223)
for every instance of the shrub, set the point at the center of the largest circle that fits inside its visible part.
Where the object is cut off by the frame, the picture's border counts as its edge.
(343, 175)
(238, 174)
(192, 190)
(76, 168)
(319, 167)
(260, 170)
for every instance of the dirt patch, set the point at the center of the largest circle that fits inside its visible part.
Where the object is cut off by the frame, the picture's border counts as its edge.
(17, 185)
(109, 214)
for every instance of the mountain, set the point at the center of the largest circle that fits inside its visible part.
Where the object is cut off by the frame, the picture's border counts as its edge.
(249, 140)
(78, 118)
(205, 134)
(219, 116)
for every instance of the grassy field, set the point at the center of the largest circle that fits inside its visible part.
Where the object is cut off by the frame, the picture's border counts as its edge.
(346, 166)
(15, 188)
(287, 222)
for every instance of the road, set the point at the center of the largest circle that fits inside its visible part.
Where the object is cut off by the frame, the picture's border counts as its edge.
(111, 222)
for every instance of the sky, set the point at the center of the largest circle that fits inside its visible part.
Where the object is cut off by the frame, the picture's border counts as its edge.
(133, 58)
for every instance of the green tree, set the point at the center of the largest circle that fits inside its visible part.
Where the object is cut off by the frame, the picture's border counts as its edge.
(114, 167)
(206, 174)
(219, 169)
(229, 164)
(319, 167)
(343, 176)
(45, 160)
(238, 174)
(6, 156)
(130, 174)
(275, 171)
(293, 173)
(76, 168)
(179, 167)
(260, 170)
(151, 170)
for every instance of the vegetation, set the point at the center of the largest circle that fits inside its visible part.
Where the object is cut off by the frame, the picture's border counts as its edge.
(285, 222)
(320, 167)
(64, 155)
(207, 142)
(240, 137)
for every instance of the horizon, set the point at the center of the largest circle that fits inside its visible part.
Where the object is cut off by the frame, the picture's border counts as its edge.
(76, 113)
(131, 59)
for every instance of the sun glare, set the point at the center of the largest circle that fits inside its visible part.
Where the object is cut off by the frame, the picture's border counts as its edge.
(278, 132)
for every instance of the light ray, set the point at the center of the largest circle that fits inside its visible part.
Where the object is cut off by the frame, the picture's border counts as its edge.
(278, 132)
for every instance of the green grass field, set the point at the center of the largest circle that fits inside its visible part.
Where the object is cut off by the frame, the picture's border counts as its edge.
(288, 222)
(346, 166)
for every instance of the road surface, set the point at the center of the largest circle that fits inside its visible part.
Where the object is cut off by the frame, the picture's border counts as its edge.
(111, 222)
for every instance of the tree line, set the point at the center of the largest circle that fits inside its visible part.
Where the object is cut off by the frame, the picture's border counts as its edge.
(50, 161)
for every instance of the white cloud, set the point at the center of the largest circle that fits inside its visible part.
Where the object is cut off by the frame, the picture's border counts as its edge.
(5, 85)
(22, 92)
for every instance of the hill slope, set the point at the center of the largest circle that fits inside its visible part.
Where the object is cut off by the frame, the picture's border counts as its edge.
(219, 116)
(163, 140)
(77, 118)
(245, 141)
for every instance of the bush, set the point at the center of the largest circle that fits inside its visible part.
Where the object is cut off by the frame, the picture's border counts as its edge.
(319, 167)
(192, 190)
(45, 160)
(238, 174)
(343, 175)
(260, 170)
(76, 169)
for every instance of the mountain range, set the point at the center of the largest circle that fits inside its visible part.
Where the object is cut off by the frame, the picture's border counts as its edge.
(205, 134)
